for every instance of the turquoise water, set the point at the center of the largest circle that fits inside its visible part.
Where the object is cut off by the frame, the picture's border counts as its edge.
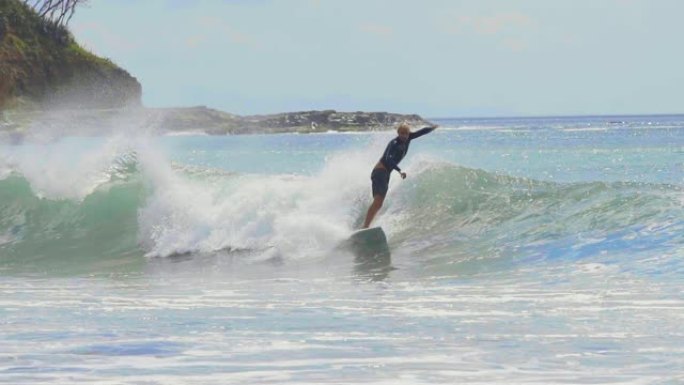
(543, 250)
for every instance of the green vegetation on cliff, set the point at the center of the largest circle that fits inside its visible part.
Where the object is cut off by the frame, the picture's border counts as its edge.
(41, 65)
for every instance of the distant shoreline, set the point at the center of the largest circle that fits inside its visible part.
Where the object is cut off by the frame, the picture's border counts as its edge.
(201, 120)
(542, 117)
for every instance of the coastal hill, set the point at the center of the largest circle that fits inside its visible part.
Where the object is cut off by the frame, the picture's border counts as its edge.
(197, 120)
(42, 66)
(50, 83)
(216, 122)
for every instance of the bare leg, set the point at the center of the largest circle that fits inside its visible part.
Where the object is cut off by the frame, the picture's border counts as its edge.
(373, 209)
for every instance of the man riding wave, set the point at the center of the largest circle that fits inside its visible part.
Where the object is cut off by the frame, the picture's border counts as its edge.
(394, 153)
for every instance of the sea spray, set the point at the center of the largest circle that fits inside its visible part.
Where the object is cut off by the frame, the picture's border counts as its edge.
(298, 215)
(68, 169)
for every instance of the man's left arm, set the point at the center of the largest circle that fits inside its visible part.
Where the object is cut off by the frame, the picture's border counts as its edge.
(422, 131)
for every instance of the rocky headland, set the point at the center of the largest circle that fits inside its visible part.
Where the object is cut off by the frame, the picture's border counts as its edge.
(216, 122)
(50, 83)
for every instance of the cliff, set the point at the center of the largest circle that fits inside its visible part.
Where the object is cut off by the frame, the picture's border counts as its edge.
(41, 66)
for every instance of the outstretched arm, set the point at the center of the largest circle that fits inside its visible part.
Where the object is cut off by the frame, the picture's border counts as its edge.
(423, 131)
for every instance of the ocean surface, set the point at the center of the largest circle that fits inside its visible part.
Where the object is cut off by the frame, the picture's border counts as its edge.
(538, 250)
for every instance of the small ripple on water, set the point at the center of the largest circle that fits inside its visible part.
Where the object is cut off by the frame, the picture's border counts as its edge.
(147, 348)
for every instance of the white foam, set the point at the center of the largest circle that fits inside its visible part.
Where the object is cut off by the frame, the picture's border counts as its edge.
(299, 215)
(187, 133)
(57, 171)
(586, 129)
(5, 166)
(7, 238)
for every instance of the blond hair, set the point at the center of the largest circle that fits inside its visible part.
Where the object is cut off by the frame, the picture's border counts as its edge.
(403, 127)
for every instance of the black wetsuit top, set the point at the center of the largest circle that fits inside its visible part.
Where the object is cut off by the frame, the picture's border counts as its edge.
(397, 149)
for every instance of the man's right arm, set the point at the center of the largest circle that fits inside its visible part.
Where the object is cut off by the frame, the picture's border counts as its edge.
(422, 131)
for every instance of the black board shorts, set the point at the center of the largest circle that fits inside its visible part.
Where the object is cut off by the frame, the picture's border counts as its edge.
(380, 178)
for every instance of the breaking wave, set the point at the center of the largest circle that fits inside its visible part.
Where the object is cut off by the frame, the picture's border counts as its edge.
(136, 203)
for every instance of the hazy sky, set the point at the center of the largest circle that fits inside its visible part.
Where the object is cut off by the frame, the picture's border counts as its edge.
(432, 57)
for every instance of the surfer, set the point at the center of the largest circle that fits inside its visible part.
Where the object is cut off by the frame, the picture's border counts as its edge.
(394, 153)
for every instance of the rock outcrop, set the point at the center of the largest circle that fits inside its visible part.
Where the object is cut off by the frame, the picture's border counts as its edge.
(321, 121)
(220, 123)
